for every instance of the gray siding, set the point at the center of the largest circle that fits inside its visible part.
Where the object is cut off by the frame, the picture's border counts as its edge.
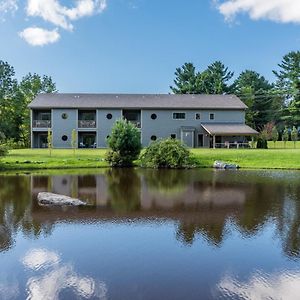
(164, 125)
(62, 127)
(104, 125)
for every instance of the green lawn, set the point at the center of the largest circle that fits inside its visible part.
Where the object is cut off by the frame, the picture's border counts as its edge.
(33, 159)
(27, 159)
(251, 158)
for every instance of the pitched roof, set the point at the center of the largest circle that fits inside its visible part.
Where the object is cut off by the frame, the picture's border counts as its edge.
(137, 101)
(228, 129)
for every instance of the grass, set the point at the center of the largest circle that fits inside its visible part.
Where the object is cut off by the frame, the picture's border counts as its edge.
(39, 159)
(33, 159)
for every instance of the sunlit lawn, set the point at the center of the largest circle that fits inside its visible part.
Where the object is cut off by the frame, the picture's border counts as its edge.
(27, 159)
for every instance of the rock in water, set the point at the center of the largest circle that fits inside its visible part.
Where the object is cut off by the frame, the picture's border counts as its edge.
(50, 199)
(224, 165)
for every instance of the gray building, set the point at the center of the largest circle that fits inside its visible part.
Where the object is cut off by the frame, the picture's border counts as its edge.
(198, 120)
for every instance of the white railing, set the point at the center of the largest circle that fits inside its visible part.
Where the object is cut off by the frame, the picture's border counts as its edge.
(41, 124)
(229, 145)
(86, 124)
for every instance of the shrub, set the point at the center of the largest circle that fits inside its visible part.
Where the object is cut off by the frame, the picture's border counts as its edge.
(285, 136)
(294, 135)
(3, 150)
(125, 144)
(262, 143)
(166, 153)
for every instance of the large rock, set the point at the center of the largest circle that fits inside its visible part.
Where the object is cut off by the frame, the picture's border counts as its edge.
(223, 165)
(50, 199)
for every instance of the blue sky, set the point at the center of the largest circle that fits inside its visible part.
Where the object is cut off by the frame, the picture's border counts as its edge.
(134, 46)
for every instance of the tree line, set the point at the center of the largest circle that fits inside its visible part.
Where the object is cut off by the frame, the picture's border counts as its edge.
(276, 103)
(268, 102)
(14, 99)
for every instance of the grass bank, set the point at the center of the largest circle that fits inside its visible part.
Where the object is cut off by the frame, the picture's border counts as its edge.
(34, 159)
(38, 159)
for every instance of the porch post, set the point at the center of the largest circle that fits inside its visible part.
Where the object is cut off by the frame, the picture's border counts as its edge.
(214, 141)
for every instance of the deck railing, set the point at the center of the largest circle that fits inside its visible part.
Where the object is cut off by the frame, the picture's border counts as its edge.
(41, 124)
(236, 145)
(86, 124)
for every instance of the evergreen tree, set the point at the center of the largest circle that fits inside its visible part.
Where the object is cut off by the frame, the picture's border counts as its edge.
(186, 80)
(288, 83)
(255, 91)
(215, 79)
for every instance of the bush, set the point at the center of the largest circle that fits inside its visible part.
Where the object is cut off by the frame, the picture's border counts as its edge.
(125, 144)
(3, 150)
(166, 153)
(262, 143)
(11, 144)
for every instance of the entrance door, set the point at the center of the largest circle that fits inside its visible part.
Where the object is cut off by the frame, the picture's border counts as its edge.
(200, 141)
(43, 141)
(187, 137)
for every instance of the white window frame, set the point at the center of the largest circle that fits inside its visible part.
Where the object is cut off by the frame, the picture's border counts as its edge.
(179, 112)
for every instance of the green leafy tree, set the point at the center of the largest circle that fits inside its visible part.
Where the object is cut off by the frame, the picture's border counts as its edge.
(275, 135)
(14, 99)
(294, 135)
(285, 136)
(50, 141)
(125, 144)
(74, 141)
(288, 83)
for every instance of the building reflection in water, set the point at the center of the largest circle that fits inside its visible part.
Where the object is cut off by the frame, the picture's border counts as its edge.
(201, 202)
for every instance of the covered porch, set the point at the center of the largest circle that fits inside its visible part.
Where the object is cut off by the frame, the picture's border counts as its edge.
(229, 135)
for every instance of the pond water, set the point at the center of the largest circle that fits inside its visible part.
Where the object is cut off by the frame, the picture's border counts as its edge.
(188, 234)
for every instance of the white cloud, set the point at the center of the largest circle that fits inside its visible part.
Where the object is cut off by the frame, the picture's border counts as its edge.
(40, 258)
(263, 286)
(36, 36)
(7, 6)
(283, 11)
(51, 276)
(52, 11)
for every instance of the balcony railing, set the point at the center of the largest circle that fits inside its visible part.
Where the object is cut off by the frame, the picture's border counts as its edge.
(41, 124)
(86, 124)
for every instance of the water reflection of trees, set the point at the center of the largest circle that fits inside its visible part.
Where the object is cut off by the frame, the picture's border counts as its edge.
(202, 203)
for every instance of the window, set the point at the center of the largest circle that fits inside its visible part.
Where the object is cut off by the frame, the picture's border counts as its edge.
(109, 116)
(64, 116)
(153, 116)
(64, 138)
(173, 136)
(211, 116)
(198, 116)
(153, 138)
(179, 116)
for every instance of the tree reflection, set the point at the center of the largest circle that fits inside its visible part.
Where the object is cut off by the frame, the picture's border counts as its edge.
(124, 190)
(200, 202)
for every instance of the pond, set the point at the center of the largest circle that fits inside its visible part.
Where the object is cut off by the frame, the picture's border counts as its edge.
(150, 234)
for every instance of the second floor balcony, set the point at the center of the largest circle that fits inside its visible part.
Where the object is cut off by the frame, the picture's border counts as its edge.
(87, 119)
(86, 124)
(41, 124)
